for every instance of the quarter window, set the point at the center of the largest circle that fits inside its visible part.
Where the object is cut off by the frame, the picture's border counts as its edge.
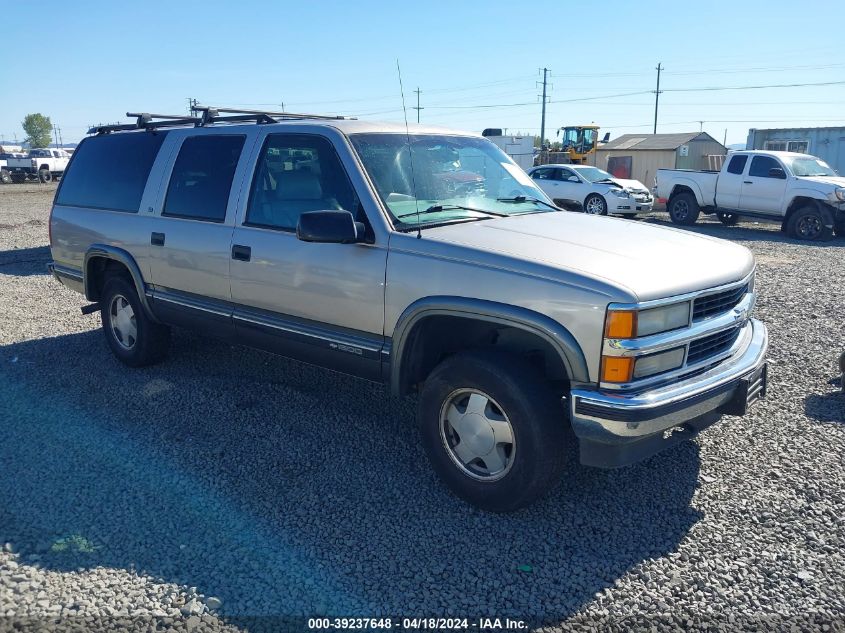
(110, 171)
(761, 165)
(202, 177)
(737, 164)
(297, 173)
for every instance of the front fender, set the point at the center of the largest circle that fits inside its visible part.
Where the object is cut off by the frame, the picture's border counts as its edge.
(514, 316)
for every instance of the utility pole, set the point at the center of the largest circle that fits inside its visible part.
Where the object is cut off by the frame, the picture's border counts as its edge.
(657, 95)
(192, 104)
(701, 126)
(725, 141)
(546, 72)
(61, 140)
(418, 108)
(56, 136)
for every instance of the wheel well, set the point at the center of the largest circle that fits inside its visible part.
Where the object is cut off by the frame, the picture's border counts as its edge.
(681, 189)
(435, 338)
(47, 167)
(797, 203)
(100, 268)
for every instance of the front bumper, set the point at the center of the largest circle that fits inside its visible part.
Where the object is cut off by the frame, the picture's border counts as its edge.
(630, 205)
(616, 429)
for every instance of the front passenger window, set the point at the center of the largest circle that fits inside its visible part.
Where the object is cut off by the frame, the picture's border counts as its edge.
(297, 173)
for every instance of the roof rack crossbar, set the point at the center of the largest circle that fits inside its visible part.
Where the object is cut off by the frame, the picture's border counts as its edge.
(211, 113)
(145, 121)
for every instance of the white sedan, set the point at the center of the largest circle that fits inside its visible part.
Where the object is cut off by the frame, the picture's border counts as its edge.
(595, 190)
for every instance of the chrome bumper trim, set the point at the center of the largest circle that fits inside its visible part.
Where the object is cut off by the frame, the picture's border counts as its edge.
(619, 418)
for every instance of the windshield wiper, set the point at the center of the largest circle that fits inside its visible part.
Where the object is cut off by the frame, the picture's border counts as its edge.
(519, 199)
(437, 208)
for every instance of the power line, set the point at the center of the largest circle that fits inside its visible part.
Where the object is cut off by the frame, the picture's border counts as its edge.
(796, 85)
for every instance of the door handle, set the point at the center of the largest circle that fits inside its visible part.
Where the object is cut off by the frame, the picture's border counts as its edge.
(748, 182)
(157, 239)
(241, 253)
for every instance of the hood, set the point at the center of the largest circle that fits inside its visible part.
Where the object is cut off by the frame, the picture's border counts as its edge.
(630, 185)
(829, 181)
(644, 260)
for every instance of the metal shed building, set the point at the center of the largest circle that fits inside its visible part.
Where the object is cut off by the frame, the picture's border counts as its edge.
(828, 143)
(641, 155)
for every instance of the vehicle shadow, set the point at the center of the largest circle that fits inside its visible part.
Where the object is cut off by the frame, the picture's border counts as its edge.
(25, 261)
(285, 489)
(743, 232)
(828, 407)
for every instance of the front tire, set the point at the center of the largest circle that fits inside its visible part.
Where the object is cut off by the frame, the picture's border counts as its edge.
(812, 223)
(492, 429)
(595, 205)
(683, 209)
(728, 219)
(133, 338)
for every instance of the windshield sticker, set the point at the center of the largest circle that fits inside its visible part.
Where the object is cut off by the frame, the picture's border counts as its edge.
(520, 176)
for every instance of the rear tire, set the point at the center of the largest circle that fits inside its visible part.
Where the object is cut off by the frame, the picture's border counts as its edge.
(812, 223)
(493, 430)
(135, 339)
(728, 219)
(44, 175)
(5, 177)
(683, 209)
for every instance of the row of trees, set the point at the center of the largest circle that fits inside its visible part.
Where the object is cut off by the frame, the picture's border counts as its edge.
(38, 130)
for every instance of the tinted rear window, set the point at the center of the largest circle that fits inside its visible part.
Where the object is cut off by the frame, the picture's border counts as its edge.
(737, 164)
(202, 177)
(110, 171)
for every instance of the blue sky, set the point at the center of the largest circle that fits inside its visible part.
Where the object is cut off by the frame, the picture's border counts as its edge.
(340, 57)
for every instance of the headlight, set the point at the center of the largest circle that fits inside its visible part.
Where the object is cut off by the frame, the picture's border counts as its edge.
(658, 363)
(840, 193)
(635, 323)
(620, 193)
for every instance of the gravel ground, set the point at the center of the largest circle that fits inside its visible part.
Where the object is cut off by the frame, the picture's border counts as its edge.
(224, 484)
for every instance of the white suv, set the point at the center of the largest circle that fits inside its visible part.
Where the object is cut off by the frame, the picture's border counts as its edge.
(595, 190)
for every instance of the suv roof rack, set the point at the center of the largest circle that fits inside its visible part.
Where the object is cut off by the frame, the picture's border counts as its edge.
(211, 114)
(208, 116)
(146, 121)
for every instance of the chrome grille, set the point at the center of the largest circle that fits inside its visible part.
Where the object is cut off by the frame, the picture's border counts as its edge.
(717, 303)
(711, 345)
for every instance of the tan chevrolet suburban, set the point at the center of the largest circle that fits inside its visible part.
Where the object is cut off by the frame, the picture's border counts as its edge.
(424, 258)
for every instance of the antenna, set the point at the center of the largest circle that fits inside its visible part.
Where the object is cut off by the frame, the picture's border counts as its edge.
(410, 153)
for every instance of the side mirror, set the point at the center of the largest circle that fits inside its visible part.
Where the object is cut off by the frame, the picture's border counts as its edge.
(329, 227)
(777, 172)
(572, 179)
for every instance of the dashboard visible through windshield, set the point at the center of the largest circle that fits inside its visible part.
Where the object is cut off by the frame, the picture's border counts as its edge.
(426, 180)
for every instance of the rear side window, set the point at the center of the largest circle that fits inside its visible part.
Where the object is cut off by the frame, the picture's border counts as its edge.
(737, 164)
(761, 165)
(110, 171)
(202, 177)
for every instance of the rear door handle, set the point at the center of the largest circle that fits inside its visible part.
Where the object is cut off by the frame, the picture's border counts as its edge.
(157, 239)
(241, 253)
(748, 182)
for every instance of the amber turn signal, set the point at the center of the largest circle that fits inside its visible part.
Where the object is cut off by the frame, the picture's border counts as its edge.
(617, 368)
(621, 324)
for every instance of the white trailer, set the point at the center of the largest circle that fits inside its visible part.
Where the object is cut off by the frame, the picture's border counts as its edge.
(519, 148)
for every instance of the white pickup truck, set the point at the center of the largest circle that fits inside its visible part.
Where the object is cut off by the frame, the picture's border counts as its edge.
(798, 190)
(42, 164)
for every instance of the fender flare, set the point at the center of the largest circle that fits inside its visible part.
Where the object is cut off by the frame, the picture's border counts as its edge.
(119, 255)
(692, 186)
(561, 340)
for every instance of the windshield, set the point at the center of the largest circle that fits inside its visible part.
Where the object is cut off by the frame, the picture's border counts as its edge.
(593, 174)
(449, 179)
(810, 167)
